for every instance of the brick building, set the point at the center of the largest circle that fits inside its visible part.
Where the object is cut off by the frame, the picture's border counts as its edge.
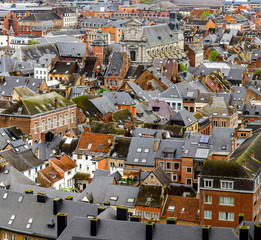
(40, 114)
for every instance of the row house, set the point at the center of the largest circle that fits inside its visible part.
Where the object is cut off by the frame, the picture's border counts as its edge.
(59, 174)
(41, 114)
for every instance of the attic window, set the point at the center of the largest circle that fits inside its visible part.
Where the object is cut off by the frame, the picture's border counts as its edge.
(20, 199)
(114, 198)
(25, 146)
(136, 160)
(17, 80)
(171, 208)
(189, 119)
(5, 196)
(146, 150)
(223, 147)
(33, 84)
(3, 134)
(215, 114)
(144, 160)
(149, 199)
(17, 149)
(6, 171)
(130, 200)
(4, 83)
(182, 210)
(224, 114)
(89, 146)
(139, 150)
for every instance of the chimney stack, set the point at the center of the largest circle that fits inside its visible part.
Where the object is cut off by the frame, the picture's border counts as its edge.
(241, 217)
(29, 191)
(61, 223)
(149, 230)
(41, 197)
(56, 205)
(243, 232)
(55, 102)
(156, 145)
(172, 220)
(93, 226)
(122, 213)
(257, 231)
(205, 232)
(135, 218)
(101, 209)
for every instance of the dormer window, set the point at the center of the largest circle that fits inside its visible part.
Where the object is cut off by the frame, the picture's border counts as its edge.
(226, 184)
(208, 183)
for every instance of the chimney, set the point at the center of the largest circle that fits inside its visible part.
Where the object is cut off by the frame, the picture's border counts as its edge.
(69, 198)
(241, 217)
(93, 226)
(156, 145)
(107, 203)
(210, 100)
(257, 231)
(252, 154)
(133, 111)
(244, 163)
(61, 223)
(135, 218)
(41, 197)
(149, 230)
(55, 102)
(56, 205)
(101, 209)
(172, 220)
(114, 95)
(42, 137)
(243, 232)
(122, 213)
(205, 232)
(29, 191)
(164, 135)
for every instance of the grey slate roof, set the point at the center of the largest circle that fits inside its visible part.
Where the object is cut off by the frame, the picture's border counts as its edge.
(172, 92)
(237, 97)
(162, 78)
(119, 98)
(144, 132)
(184, 116)
(79, 229)
(145, 114)
(115, 65)
(70, 49)
(103, 104)
(235, 75)
(6, 64)
(46, 16)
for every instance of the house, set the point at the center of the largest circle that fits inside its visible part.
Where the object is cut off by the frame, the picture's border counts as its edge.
(57, 114)
(220, 113)
(59, 174)
(116, 70)
(69, 16)
(91, 152)
(161, 108)
(157, 177)
(185, 119)
(22, 92)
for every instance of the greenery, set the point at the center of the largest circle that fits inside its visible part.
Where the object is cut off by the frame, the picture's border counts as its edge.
(258, 72)
(213, 56)
(146, 1)
(32, 41)
(205, 14)
(183, 68)
(179, 16)
(101, 90)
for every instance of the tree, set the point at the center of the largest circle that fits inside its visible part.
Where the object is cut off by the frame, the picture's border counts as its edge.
(213, 56)
(32, 41)
(179, 16)
(183, 68)
(205, 14)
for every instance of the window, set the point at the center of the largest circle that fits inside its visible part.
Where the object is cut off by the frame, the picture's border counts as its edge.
(139, 213)
(179, 106)
(55, 122)
(155, 215)
(223, 124)
(66, 118)
(226, 201)
(111, 82)
(208, 199)
(226, 216)
(161, 164)
(227, 184)
(215, 123)
(174, 177)
(147, 215)
(189, 170)
(169, 165)
(139, 150)
(61, 120)
(151, 177)
(171, 208)
(43, 125)
(188, 181)
(208, 183)
(146, 150)
(176, 166)
(35, 127)
(72, 117)
(207, 214)
(48, 123)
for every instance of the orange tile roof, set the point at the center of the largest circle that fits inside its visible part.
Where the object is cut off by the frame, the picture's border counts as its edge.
(51, 174)
(190, 205)
(95, 142)
(64, 163)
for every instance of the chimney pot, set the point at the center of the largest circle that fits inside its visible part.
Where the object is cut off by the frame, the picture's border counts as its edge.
(257, 231)
(205, 232)
(69, 198)
(93, 225)
(101, 209)
(243, 232)
(172, 220)
(41, 197)
(61, 223)
(122, 213)
(107, 203)
(135, 218)
(29, 191)
(149, 230)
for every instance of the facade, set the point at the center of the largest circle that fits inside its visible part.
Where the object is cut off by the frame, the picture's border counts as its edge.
(40, 114)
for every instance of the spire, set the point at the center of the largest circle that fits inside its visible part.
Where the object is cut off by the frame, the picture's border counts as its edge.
(173, 21)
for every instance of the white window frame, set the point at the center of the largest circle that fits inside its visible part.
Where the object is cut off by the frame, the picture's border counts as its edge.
(208, 199)
(187, 170)
(55, 122)
(147, 215)
(66, 118)
(226, 182)
(35, 127)
(209, 181)
(226, 216)
(207, 214)
(139, 213)
(60, 120)
(43, 125)
(49, 123)
(226, 201)
(155, 215)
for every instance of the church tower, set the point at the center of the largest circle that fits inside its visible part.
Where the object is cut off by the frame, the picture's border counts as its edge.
(173, 20)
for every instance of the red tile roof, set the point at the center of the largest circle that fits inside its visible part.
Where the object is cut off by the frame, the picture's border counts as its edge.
(190, 205)
(95, 142)
(51, 174)
(64, 163)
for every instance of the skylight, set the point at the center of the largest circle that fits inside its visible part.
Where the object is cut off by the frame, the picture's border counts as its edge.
(5, 196)
(182, 210)
(144, 160)
(136, 159)
(25, 146)
(171, 208)
(20, 199)
(146, 150)
(89, 146)
(139, 150)
(114, 198)
(130, 200)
